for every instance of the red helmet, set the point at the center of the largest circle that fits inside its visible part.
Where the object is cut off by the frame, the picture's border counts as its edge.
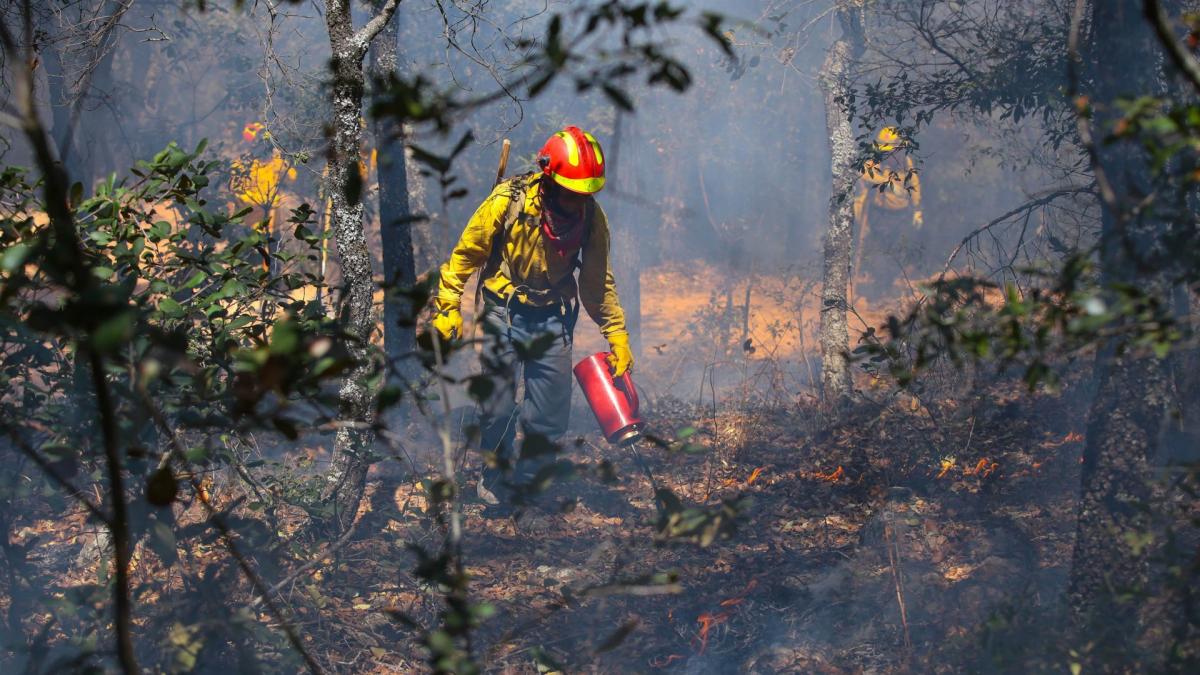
(573, 159)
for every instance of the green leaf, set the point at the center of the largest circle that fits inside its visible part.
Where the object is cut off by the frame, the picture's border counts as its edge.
(170, 307)
(196, 279)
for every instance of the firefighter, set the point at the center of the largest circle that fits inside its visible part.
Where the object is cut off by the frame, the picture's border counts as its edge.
(889, 193)
(528, 239)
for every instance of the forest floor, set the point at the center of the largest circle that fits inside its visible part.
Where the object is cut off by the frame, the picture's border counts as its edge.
(929, 534)
(908, 537)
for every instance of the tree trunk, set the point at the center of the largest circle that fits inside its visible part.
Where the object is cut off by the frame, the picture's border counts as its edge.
(395, 216)
(1130, 404)
(352, 453)
(835, 86)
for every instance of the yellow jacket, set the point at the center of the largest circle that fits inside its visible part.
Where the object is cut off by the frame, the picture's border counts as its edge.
(541, 276)
(894, 189)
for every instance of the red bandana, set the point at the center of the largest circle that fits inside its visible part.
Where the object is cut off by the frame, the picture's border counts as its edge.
(563, 231)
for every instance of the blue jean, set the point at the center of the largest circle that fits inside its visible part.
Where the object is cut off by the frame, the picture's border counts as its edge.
(546, 407)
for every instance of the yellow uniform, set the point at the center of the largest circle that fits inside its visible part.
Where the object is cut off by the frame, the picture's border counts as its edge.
(892, 188)
(531, 271)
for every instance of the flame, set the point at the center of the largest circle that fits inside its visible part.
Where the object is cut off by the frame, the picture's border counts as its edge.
(708, 620)
(251, 131)
(754, 475)
(257, 183)
(831, 477)
(947, 464)
(1073, 437)
(983, 468)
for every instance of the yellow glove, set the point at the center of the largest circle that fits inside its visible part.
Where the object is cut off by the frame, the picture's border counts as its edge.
(448, 323)
(918, 219)
(620, 358)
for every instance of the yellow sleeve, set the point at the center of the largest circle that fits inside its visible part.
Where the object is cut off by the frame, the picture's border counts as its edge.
(597, 289)
(472, 249)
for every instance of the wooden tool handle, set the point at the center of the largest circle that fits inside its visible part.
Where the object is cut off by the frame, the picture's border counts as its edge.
(504, 147)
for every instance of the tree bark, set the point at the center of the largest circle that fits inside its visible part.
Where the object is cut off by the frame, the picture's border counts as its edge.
(835, 86)
(1130, 405)
(395, 215)
(352, 453)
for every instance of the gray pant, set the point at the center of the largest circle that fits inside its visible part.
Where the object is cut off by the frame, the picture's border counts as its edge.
(546, 373)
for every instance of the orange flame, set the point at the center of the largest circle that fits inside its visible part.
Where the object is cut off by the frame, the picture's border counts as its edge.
(983, 468)
(831, 477)
(1073, 437)
(251, 131)
(947, 464)
(754, 475)
(708, 620)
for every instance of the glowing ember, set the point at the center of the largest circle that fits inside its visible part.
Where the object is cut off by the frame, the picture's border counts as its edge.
(1073, 437)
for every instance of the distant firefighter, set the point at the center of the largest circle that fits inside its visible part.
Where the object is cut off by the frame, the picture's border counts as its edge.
(889, 194)
(258, 174)
(527, 240)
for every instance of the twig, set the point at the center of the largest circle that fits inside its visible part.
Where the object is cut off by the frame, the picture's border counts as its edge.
(218, 521)
(316, 561)
(55, 476)
(889, 537)
(119, 524)
(1046, 198)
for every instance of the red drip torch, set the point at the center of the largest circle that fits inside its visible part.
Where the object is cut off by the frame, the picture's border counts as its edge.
(615, 402)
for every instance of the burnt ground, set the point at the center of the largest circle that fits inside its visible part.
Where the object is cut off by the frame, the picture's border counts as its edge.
(911, 536)
(905, 538)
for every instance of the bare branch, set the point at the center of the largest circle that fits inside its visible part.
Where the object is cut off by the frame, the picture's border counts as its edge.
(368, 32)
(1023, 208)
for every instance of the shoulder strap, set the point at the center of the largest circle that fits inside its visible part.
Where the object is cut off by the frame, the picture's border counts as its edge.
(516, 194)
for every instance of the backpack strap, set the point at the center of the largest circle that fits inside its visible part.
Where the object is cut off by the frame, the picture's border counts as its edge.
(516, 203)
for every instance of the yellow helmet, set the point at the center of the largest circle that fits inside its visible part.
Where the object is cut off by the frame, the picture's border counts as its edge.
(887, 139)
